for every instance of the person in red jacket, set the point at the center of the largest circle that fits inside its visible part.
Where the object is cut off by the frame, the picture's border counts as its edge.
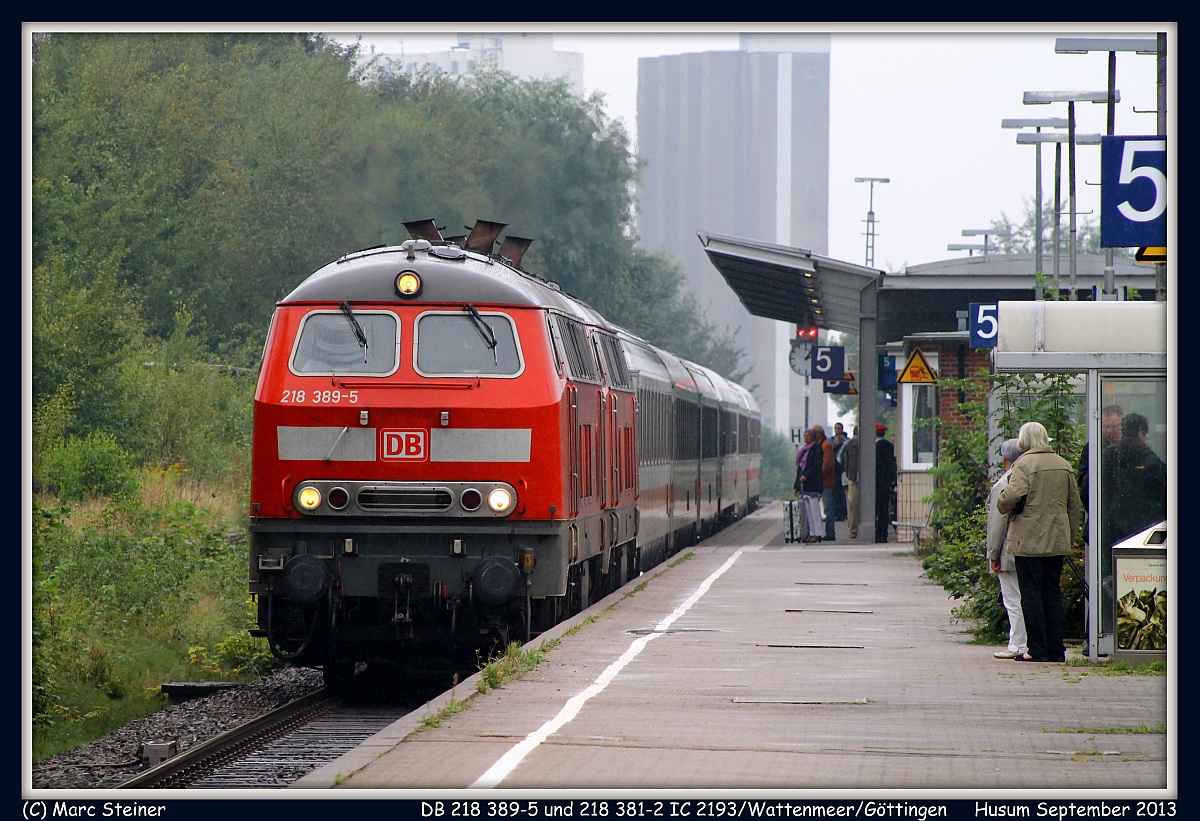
(828, 478)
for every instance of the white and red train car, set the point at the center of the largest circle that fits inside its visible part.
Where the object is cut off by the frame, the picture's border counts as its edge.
(448, 449)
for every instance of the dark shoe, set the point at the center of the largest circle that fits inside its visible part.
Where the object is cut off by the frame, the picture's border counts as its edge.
(1028, 657)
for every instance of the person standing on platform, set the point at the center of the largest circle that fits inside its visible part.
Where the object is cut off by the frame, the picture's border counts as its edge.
(828, 481)
(849, 459)
(839, 484)
(1043, 496)
(1001, 562)
(885, 481)
(1110, 419)
(1135, 482)
(808, 484)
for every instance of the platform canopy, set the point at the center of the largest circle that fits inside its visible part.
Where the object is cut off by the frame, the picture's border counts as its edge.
(798, 286)
(791, 284)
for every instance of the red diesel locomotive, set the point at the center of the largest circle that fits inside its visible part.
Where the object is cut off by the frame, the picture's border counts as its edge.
(449, 451)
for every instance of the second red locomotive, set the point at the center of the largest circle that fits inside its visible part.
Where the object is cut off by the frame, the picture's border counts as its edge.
(449, 450)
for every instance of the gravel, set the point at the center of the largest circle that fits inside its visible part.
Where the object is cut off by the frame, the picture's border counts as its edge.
(116, 757)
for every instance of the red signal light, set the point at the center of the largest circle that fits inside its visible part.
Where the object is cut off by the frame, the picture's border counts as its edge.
(807, 333)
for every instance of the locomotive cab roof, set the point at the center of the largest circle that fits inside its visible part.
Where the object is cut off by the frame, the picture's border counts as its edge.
(446, 273)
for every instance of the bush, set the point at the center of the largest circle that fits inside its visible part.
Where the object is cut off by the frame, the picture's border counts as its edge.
(87, 467)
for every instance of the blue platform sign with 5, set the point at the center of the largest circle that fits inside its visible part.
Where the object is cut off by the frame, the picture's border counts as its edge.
(985, 325)
(1133, 192)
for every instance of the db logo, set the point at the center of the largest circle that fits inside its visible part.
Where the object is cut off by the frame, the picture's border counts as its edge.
(404, 444)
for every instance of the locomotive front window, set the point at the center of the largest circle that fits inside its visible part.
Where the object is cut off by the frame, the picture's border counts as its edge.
(358, 342)
(467, 342)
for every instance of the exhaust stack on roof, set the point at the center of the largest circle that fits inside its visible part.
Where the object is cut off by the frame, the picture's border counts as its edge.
(513, 248)
(483, 236)
(424, 229)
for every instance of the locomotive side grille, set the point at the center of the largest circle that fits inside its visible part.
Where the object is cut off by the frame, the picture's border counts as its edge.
(412, 499)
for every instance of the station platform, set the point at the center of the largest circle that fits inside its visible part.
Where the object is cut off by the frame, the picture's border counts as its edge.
(750, 666)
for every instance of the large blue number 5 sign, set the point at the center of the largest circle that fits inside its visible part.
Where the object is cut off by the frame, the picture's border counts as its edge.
(1133, 191)
(829, 362)
(985, 324)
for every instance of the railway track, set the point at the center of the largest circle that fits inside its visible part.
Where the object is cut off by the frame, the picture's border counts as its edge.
(275, 749)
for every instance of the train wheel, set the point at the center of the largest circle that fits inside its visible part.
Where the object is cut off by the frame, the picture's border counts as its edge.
(339, 675)
(616, 569)
(582, 591)
(633, 559)
(547, 612)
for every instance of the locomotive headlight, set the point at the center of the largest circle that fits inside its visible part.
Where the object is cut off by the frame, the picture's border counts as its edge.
(500, 500)
(408, 284)
(309, 498)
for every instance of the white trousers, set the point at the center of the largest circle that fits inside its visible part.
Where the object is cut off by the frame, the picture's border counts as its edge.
(1018, 640)
(812, 504)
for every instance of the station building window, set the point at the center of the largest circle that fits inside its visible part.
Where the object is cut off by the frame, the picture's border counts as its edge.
(919, 403)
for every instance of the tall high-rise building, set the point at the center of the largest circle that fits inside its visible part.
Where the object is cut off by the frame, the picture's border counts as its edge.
(737, 143)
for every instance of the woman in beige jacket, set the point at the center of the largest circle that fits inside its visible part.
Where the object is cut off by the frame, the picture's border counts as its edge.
(1043, 497)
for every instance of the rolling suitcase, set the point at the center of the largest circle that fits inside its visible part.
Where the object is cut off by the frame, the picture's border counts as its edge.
(795, 524)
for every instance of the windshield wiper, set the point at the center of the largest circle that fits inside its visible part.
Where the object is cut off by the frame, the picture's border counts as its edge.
(489, 336)
(358, 331)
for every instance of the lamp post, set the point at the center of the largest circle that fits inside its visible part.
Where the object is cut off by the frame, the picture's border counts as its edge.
(1049, 122)
(1083, 45)
(871, 217)
(1058, 139)
(1070, 98)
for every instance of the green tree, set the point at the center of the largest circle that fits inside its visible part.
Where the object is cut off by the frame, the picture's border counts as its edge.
(194, 166)
(81, 334)
(1023, 233)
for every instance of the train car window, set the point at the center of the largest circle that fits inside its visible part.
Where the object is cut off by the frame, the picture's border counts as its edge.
(328, 343)
(452, 344)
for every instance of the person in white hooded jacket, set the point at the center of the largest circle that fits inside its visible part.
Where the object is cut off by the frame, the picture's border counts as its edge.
(1001, 562)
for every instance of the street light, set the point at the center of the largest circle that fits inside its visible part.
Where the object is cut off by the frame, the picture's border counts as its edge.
(1083, 45)
(1058, 139)
(1070, 98)
(970, 247)
(1049, 122)
(985, 233)
(871, 217)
